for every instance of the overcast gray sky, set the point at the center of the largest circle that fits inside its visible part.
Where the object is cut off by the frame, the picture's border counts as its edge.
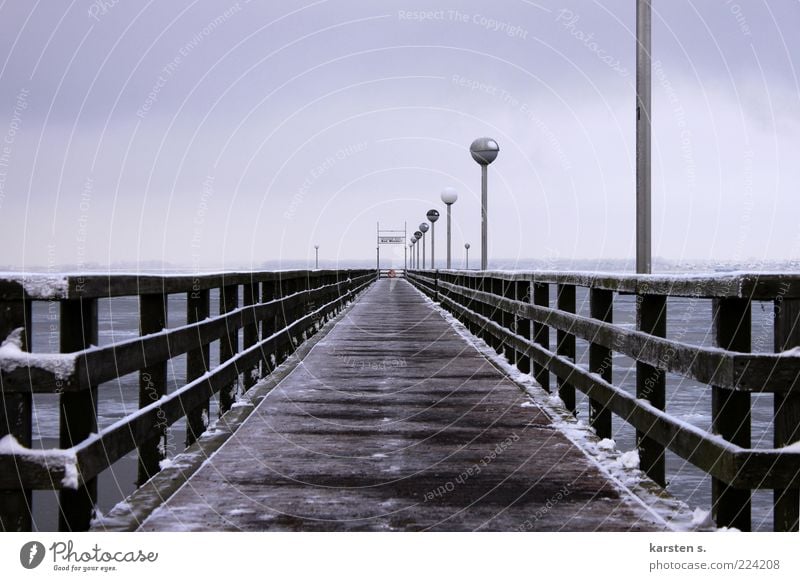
(219, 133)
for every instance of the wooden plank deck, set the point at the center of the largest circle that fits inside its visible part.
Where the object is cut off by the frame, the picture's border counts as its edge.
(393, 422)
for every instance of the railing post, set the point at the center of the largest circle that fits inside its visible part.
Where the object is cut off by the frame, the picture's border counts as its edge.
(269, 293)
(250, 332)
(522, 293)
(228, 344)
(77, 412)
(730, 411)
(314, 304)
(198, 308)
(288, 288)
(510, 320)
(477, 306)
(436, 286)
(485, 285)
(601, 304)
(15, 419)
(651, 318)
(152, 384)
(496, 313)
(305, 308)
(541, 333)
(787, 414)
(565, 343)
(460, 283)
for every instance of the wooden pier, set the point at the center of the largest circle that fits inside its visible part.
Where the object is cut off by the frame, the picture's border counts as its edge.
(394, 423)
(348, 402)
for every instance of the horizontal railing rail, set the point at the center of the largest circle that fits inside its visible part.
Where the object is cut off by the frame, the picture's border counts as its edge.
(276, 312)
(514, 313)
(36, 286)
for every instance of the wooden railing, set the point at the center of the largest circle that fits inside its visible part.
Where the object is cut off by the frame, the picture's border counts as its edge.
(275, 311)
(513, 312)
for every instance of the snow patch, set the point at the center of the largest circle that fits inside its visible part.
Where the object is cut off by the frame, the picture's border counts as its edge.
(13, 357)
(629, 459)
(70, 479)
(40, 286)
(9, 445)
(607, 445)
(702, 518)
(239, 512)
(49, 459)
(792, 447)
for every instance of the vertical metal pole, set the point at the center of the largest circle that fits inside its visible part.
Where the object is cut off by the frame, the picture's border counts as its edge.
(433, 245)
(643, 134)
(405, 246)
(484, 217)
(449, 240)
(378, 254)
(316, 258)
(467, 265)
(423, 251)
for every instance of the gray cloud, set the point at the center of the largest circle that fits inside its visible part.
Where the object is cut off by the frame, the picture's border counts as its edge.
(207, 133)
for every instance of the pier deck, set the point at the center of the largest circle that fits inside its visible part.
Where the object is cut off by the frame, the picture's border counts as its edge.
(393, 422)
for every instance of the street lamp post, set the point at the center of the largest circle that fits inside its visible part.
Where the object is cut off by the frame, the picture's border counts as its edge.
(378, 255)
(423, 228)
(484, 151)
(316, 256)
(449, 197)
(466, 247)
(643, 135)
(417, 236)
(432, 216)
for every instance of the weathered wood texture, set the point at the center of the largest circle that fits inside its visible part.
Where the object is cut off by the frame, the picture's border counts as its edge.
(311, 298)
(15, 416)
(730, 411)
(787, 414)
(77, 412)
(730, 371)
(651, 384)
(394, 422)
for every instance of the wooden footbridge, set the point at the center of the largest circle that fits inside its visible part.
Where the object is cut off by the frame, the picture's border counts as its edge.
(349, 402)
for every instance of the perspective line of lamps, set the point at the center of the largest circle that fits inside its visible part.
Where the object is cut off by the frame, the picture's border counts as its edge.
(484, 151)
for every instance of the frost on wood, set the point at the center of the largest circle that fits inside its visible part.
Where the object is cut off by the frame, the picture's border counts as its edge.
(40, 286)
(13, 357)
(619, 467)
(49, 459)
